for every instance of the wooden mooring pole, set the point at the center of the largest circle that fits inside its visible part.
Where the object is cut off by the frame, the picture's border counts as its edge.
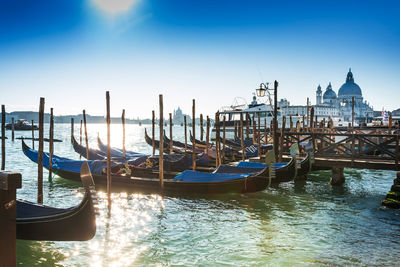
(153, 131)
(185, 122)
(9, 183)
(171, 142)
(33, 135)
(242, 137)
(72, 129)
(282, 138)
(51, 144)
(259, 135)
(161, 158)
(224, 139)
(108, 150)
(12, 129)
(194, 134)
(86, 136)
(3, 137)
(276, 120)
(123, 133)
(40, 156)
(80, 137)
(201, 127)
(208, 134)
(247, 126)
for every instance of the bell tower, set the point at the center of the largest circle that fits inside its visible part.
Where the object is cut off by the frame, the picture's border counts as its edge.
(319, 95)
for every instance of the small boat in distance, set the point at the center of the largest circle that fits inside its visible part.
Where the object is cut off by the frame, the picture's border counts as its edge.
(21, 125)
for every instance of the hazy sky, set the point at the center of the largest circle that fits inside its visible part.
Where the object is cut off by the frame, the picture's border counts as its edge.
(71, 52)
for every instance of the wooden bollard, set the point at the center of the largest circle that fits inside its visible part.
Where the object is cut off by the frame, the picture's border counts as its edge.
(171, 143)
(12, 129)
(265, 131)
(185, 122)
(194, 134)
(161, 157)
(390, 124)
(86, 136)
(235, 131)
(51, 144)
(33, 136)
(242, 137)
(72, 129)
(291, 124)
(304, 125)
(201, 127)
(3, 137)
(9, 183)
(153, 131)
(123, 133)
(40, 156)
(108, 149)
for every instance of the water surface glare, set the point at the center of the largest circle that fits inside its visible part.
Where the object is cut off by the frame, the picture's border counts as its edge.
(292, 224)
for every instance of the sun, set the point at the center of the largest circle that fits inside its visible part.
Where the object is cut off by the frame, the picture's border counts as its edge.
(114, 7)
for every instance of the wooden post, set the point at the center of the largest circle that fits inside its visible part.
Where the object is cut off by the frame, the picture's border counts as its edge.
(352, 112)
(184, 119)
(9, 182)
(397, 152)
(282, 138)
(254, 130)
(86, 136)
(224, 139)
(108, 149)
(291, 123)
(161, 158)
(51, 144)
(40, 155)
(208, 134)
(194, 134)
(3, 137)
(72, 129)
(276, 120)
(123, 133)
(304, 125)
(265, 131)
(217, 140)
(259, 136)
(390, 124)
(247, 126)
(235, 132)
(311, 130)
(201, 127)
(153, 131)
(242, 137)
(33, 136)
(12, 129)
(308, 118)
(171, 143)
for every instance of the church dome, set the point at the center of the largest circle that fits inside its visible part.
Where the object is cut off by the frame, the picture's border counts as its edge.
(350, 88)
(329, 93)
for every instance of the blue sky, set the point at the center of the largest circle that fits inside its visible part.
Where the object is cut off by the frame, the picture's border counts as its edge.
(71, 52)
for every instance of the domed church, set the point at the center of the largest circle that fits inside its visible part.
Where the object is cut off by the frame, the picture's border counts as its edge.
(343, 101)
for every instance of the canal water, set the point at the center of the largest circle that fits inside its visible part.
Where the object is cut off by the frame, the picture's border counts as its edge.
(291, 224)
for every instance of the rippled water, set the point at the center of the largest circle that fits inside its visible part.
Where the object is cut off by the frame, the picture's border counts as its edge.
(292, 224)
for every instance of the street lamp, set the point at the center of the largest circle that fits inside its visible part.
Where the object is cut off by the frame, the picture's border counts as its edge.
(261, 91)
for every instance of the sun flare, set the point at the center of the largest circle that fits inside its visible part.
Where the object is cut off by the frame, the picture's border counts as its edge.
(114, 7)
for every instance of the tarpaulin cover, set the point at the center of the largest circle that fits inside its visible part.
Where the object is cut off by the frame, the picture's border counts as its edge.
(258, 165)
(204, 177)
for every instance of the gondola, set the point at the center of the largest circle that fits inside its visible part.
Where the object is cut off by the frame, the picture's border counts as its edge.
(140, 164)
(44, 223)
(188, 182)
(284, 172)
(116, 152)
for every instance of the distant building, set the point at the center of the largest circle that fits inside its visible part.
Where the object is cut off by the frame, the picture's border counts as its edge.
(331, 105)
(178, 117)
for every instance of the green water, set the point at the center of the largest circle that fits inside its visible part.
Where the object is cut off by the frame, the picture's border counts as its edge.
(292, 224)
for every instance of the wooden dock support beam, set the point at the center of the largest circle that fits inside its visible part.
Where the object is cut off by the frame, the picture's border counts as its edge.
(9, 183)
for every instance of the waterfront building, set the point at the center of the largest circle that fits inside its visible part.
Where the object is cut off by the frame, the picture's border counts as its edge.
(332, 105)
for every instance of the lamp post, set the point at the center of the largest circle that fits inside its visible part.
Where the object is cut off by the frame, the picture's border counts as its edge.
(261, 93)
